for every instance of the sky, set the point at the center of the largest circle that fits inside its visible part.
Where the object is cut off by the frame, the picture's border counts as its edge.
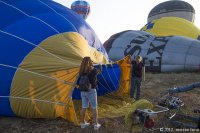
(108, 17)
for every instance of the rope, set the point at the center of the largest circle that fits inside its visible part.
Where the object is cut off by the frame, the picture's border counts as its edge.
(48, 25)
(62, 17)
(35, 46)
(108, 93)
(30, 16)
(62, 81)
(109, 76)
(44, 21)
(35, 99)
(114, 73)
(55, 31)
(106, 82)
(58, 14)
(42, 75)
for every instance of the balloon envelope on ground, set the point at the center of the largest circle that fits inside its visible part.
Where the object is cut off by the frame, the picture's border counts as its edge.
(42, 44)
(161, 54)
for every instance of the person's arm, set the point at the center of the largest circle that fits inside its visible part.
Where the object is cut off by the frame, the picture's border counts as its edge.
(100, 68)
(143, 73)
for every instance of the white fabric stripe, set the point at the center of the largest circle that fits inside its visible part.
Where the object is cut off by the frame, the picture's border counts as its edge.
(58, 14)
(35, 46)
(106, 82)
(42, 75)
(34, 99)
(114, 73)
(109, 76)
(110, 92)
(62, 81)
(38, 19)
(64, 18)
(30, 16)
(43, 21)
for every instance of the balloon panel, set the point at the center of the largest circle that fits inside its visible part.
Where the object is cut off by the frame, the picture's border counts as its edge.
(110, 74)
(159, 53)
(42, 45)
(81, 7)
(172, 26)
(179, 9)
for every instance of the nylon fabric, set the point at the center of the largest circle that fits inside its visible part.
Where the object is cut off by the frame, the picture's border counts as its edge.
(172, 26)
(62, 49)
(125, 78)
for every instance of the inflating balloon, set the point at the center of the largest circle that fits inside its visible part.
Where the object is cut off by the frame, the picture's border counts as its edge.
(160, 54)
(42, 44)
(81, 7)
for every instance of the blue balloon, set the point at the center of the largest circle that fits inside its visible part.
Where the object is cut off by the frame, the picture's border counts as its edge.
(24, 24)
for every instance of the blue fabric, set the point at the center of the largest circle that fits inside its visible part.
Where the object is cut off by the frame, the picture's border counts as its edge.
(13, 50)
(150, 25)
(108, 81)
(6, 75)
(25, 24)
(61, 18)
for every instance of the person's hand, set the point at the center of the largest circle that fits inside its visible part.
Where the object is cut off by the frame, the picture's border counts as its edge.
(100, 68)
(129, 61)
(77, 86)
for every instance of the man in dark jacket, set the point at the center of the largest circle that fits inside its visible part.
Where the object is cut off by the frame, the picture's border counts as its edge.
(138, 74)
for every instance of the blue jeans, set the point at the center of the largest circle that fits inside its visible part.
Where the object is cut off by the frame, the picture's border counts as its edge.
(89, 97)
(135, 84)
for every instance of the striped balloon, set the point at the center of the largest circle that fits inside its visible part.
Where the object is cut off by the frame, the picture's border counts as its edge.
(81, 7)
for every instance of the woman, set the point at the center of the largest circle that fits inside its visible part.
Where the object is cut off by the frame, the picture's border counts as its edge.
(89, 96)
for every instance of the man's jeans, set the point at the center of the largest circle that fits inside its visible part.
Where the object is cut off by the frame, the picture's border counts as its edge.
(135, 83)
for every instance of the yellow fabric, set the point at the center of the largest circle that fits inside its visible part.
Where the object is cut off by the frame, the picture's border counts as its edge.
(41, 97)
(170, 26)
(113, 104)
(140, 104)
(125, 77)
(43, 94)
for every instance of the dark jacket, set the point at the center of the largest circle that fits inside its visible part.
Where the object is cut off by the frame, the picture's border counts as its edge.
(137, 69)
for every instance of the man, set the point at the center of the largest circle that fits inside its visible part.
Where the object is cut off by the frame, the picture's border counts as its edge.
(138, 74)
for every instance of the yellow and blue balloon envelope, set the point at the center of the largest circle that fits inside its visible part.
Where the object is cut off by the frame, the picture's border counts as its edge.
(42, 44)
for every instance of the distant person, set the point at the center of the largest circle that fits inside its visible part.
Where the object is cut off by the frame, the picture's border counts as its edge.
(89, 95)
(138, 74)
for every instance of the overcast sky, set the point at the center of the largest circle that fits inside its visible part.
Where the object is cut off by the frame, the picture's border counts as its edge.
(108, 17)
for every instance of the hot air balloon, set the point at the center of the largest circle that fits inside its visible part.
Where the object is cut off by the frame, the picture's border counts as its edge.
(160, 54)
(172, 8)
(81, 7)
(172, 26)
(42, 44)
